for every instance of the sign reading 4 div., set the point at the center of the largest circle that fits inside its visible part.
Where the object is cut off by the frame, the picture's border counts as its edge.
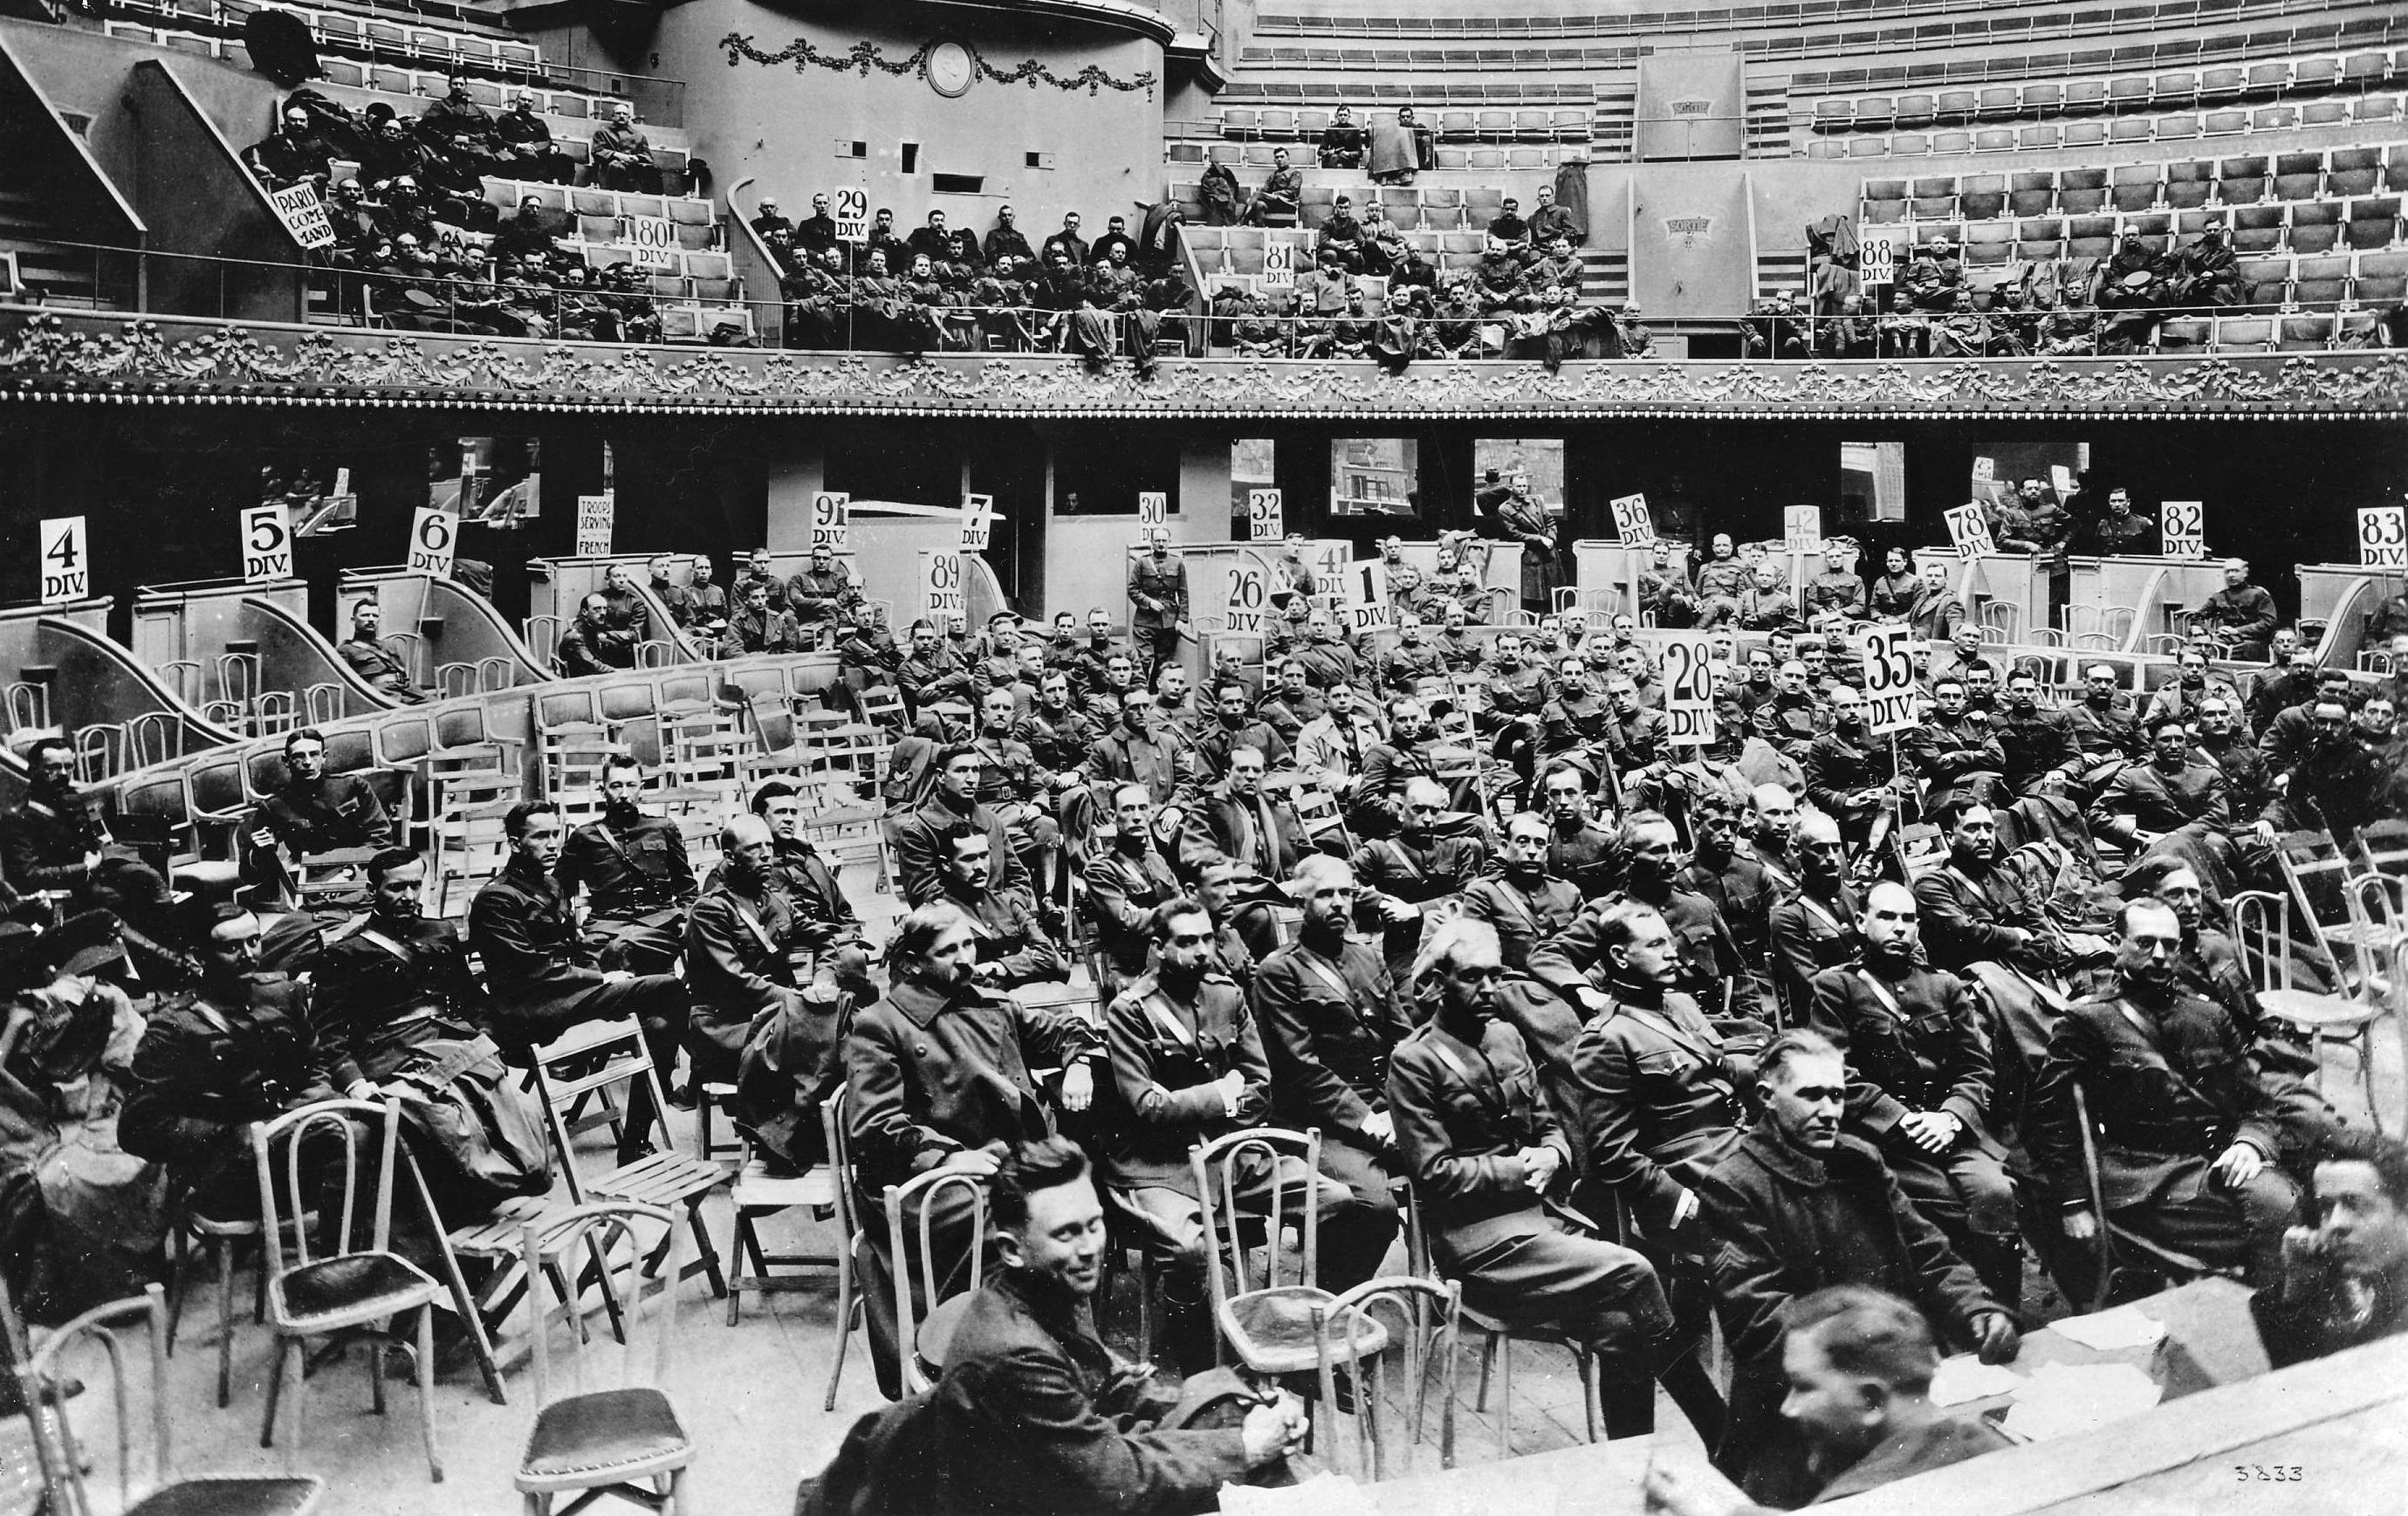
(1265, 515)
(267, 544)
(1689, 689)
(66, 560)
(2382, 536)
(1888, 653)
(434, 541)
(1631, 522)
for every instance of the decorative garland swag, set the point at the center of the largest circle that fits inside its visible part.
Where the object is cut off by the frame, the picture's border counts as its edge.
(865, 56)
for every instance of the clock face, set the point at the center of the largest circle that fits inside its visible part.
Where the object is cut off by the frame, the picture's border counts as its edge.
(949, 68)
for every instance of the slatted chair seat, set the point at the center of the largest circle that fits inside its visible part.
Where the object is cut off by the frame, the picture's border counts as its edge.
(1275, 1332)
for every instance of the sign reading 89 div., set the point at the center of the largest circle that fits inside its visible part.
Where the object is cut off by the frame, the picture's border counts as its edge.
(1888, 653)
(1689, 689)
(941, 587)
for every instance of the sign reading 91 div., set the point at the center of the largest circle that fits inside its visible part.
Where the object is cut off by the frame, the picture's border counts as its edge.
(832, 521)
(1631, 522)
(66, 560)
(1152, 516)
(1888, 653)
(1243, 613)
(1689, 689)
(2382, 536)
(267, 544)
(434, 540)
(2181, 528)
(1265, 515)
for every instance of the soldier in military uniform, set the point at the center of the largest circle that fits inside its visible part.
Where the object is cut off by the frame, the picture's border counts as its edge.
(1294, 704)
(818, 596)
(1421, 865)
(1326, 659)
(2144, 801)
(388, 981)
(1709, 966)
(1012, 784)
(1013, 948)
(635, 875)
(1919, 1085)
(544, 979)
(1722, 580)
(2186, 1130)
(743, 941)
(1125, 882)
(235, 1049)
(1851, 774)
(1239, 820)
(1157, 592)
(373, 660)
(1526, 905)
(1412, 658)
(929, 672)
(1100, 649)
(2035, 741)
(1489, 1161)
(2105, 723)
(1574, 723)
(312, 812)
(1836, 587)
(1331, 1017)
(761, 569)
(1143, 748)
(1462, 652)
(1815, 925)
(1188, 1066)
(1580, 850)
(1738, 885)
(1232, 727)
(823, 919)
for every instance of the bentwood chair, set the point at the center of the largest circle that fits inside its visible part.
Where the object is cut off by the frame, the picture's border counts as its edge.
(92, 1344)
(618, 1435)
(1425, 1316)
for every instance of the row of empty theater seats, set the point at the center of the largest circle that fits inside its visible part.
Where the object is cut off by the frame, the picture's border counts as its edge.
(2120, 94)
(2237, 183)
(2288, 332)
(1240, 249)
(1532, 124)
(1463, 59)
(2049, 136)
(409, 41)
(602, 215)
(1258, 155)
(1568, 22)
(1425, 208)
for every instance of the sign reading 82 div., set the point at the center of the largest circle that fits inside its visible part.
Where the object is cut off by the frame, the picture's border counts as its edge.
(1689, 689)
(267, 544)
(1265, 514)
(434, 540)
(2383, 537)
(2181, 528)
(1888, 653)
(1631, 522)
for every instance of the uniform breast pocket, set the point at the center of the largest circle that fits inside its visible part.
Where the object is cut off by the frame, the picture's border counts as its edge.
(1664, 1070)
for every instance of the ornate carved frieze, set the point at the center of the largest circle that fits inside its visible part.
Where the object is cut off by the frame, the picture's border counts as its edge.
(97, 357)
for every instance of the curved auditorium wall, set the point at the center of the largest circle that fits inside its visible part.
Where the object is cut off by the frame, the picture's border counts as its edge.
(1094, 126)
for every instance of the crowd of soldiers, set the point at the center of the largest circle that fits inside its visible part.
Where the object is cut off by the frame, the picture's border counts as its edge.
(2070, 307)
(424, 248)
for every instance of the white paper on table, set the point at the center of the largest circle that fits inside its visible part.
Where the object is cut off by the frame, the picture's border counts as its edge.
(2112, 1330)
(1323, 1494)
(1965, 1378)
(2061, 1399)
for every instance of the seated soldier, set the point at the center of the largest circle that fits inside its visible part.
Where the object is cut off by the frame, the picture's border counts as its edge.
(545, 979)
(1188, 1066)
(235, 1050)
(2172, 791)
(594, 643)
(953, 798)
(744, 943)
(2186, 1129)
(1706, 965)
(1420, 868)
(634, 868)
(937, 1076)
(1238, 818)
(388, 981)
(312, 812)
(1484, 1152)
(1919, 1058)
(2346, 1278)
(1331, 1016)
(1012, 946)
(373, 660)
(1034, 1413)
